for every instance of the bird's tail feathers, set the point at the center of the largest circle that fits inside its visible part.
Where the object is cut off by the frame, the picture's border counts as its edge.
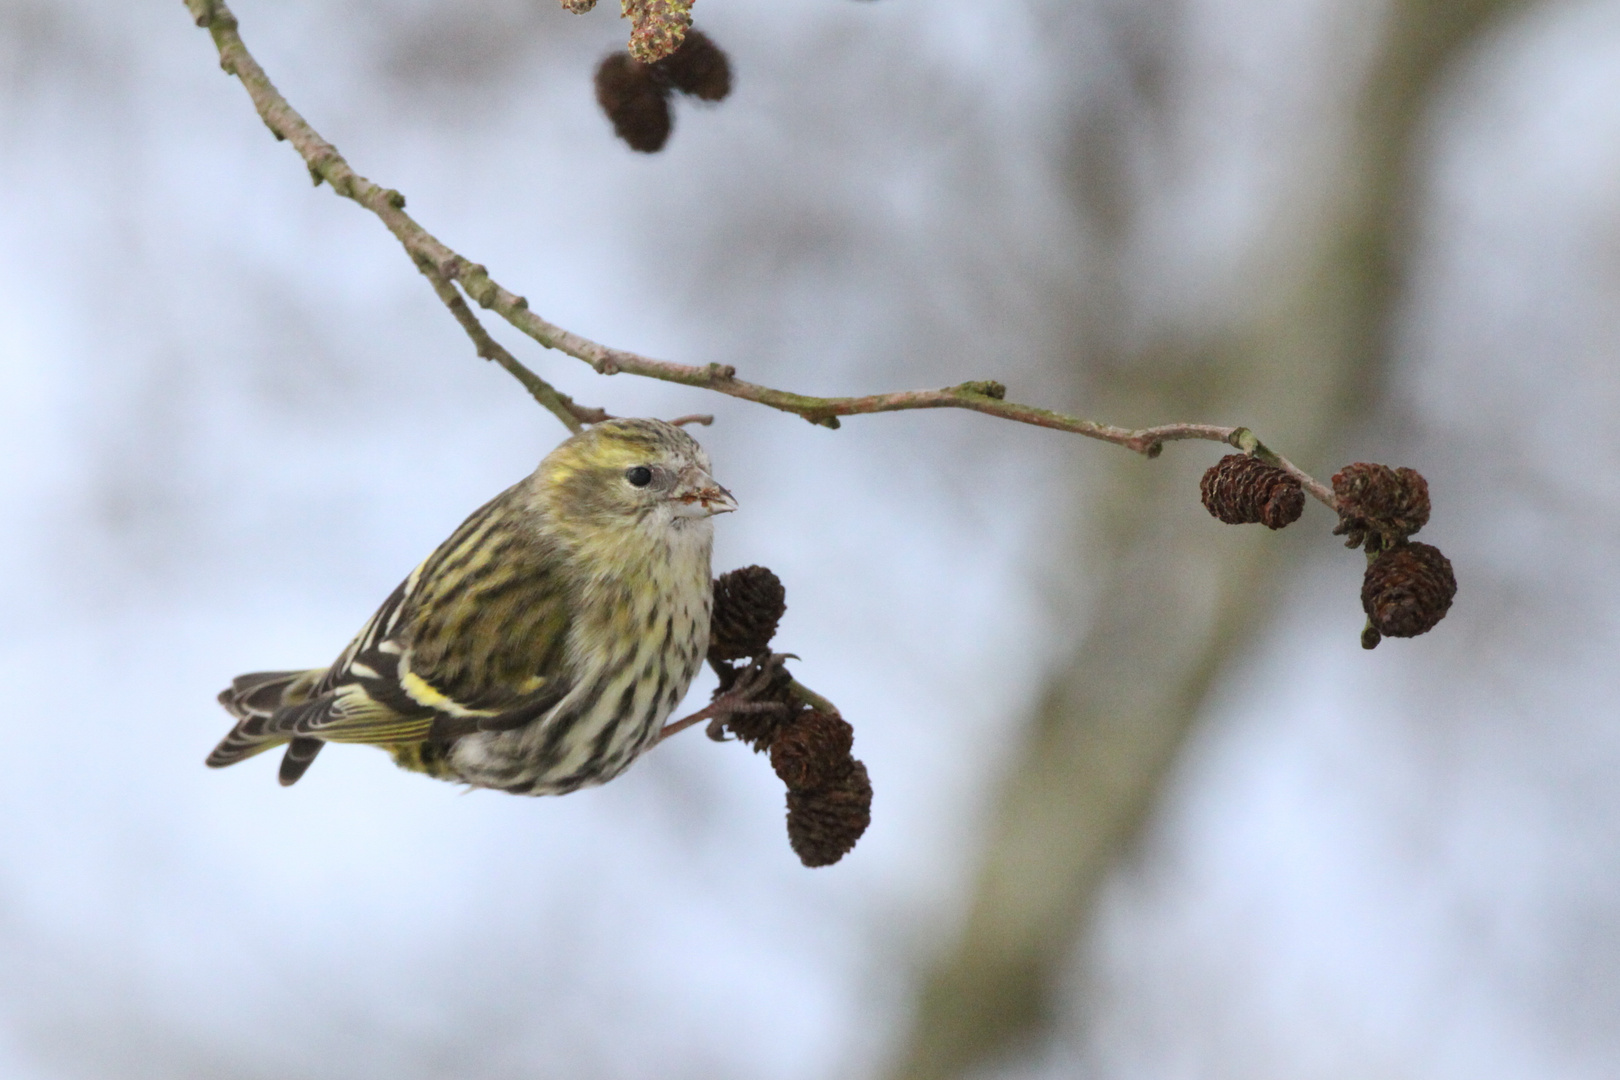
(263, 692)
(254, 700)
(300, 754)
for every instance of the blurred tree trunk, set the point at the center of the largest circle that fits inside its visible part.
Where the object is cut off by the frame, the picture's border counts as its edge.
(1176, 594)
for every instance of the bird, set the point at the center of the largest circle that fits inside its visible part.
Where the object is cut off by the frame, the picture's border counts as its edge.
(541, 647)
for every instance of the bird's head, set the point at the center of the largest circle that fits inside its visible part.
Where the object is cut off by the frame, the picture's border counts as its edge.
(632, 472)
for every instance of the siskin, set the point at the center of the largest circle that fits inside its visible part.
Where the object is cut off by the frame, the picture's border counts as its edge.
(539, 649)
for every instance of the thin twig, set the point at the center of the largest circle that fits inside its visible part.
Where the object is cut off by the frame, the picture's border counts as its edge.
(563, 407)
(1249, 443)
(443, 266)
(438, 263)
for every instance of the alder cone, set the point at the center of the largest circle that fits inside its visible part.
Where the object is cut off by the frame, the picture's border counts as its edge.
(1243, 490)
(1408, 590)
(1378, 505)
(812, 751)
(748, 605)
(635, 101)
(699, 68)
(829, 794)
(760, 728)
(824, 823)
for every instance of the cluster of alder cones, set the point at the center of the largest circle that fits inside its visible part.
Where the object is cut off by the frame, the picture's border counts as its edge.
(665, 56)
(657, 27)
(1408, 587)
(635, 94)
(829, 796)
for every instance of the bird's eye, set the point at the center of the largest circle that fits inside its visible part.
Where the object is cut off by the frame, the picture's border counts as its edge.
(639, 475)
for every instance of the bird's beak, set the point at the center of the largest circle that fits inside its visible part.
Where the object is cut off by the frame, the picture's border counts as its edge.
(697, 495)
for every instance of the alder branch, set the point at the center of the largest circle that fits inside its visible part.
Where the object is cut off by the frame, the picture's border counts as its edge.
(573, 416)
(452, 275)
(437, 262)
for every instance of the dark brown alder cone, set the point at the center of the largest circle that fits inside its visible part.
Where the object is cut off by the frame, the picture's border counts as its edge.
(1243, 490)
(578, 7)
(635, 101)
(829, 795)
(759, 728)
(1378, 505)
(699, 68)
(813, 750)
(1408, 590)
(748, 604)
(824, 823)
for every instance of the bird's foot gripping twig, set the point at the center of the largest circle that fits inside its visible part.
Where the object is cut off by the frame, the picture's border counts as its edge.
(753, 698)
(760, 690)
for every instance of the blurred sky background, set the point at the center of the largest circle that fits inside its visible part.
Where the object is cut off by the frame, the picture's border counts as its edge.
(233, 416)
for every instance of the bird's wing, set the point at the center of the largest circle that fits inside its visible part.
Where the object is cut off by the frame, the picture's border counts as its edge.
(474, 640)
(405, 707)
